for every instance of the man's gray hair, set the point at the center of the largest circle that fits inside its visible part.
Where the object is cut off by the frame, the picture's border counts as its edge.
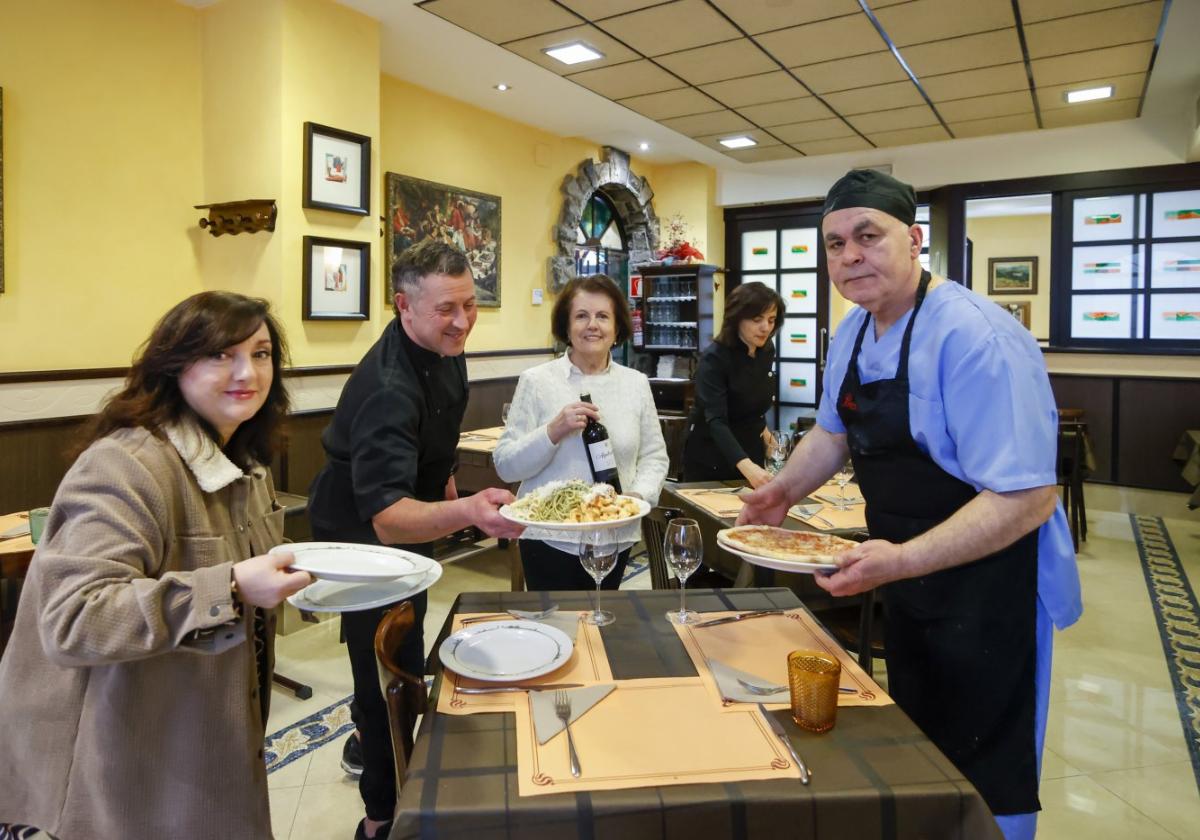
(429, 256)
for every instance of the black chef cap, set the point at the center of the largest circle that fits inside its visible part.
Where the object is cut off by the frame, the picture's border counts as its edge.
(870, 188)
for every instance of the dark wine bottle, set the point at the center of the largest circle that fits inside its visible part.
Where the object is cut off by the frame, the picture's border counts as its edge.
(599, 451)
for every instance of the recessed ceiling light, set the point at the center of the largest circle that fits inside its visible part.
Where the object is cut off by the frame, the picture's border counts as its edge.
(1088, 94)
(502, 87)
(643, 146)
(575, 52)
(742, 142)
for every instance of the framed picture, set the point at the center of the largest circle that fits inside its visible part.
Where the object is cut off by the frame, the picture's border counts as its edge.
(337, 170)
(418, 210)
(337, 279)
(1019, 309)
(1012, 276)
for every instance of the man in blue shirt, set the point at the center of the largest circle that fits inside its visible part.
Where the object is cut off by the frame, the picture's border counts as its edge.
(941, 400)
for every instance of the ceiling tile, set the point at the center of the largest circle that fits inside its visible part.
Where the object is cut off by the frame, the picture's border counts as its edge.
(1124, 87)
(915, 117)
(672, 103)
(813, 130)
(1090, 112)
(531, 48)
(788, 111)
(715, 62)
(909, 136)
(833, 147)
(670, 27)
(629, 79)
(935, 20)
(598, 9)
(699, 125)
(877, 98)
(859, 71)
(503, 20)
(980, 107)
(1117, 61)
(1093, 31)
(763, 153)
(994, 125)
(754, 90)
(823, 41)
(965, 53)
(757, 16)
(1035, 10)
(713, 140)
(978, 82)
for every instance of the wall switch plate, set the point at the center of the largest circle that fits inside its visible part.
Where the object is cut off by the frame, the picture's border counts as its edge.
(537, 297)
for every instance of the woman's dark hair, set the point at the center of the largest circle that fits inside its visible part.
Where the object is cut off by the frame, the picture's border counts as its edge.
(747, 302)
(202, 324)
(560, 316)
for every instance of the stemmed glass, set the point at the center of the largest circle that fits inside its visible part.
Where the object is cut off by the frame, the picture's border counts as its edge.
(777, 452)
(843, 477)
(598, 554)
(683, 548)
(504, 413)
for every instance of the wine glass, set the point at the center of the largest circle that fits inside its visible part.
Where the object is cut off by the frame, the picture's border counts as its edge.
(683, 548)
(777, 451)
(504, 409)
(598, 555)
(843, 477)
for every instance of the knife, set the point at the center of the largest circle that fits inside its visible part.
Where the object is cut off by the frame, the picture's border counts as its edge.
(501, 690)
(713, 622)
(777, 728)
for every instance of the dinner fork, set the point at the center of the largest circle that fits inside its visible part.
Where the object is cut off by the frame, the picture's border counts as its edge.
(525, 614)
(764, 690)
(562, 708)
(807, 514)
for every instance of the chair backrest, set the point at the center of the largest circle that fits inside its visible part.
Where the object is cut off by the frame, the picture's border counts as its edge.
(405, 692)
(654, 529)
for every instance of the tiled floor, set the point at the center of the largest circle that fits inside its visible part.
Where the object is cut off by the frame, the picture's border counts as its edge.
(1116, 763)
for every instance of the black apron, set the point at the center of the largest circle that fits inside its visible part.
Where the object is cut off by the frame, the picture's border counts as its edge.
(961, 644)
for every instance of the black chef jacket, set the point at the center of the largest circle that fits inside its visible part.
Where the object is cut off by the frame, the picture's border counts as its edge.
(734, 391)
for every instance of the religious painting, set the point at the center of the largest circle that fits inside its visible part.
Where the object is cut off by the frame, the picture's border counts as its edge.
(470, 221)
(1012, 276)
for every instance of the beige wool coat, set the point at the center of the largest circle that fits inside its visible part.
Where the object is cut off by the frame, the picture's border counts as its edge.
(122, 716)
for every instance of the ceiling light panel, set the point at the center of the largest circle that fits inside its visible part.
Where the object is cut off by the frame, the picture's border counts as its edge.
(741, 141)
(1088, 94)
(574, 52)
(532, 49)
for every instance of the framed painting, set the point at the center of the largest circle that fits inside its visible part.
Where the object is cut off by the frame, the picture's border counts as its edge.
(418, 210)
(337, 170)
(1012, 275)
(337, 279)
(1020, 310)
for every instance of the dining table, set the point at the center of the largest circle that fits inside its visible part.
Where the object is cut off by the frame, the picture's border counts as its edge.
(874, 775)
(15, 555)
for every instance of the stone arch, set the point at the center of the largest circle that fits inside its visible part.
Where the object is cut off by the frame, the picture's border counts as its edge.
(630, 194)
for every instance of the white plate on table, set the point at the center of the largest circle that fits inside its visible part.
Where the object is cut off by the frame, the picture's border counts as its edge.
(777, 563)
(355, 562)
(506, 651)
(642, 505)
(346, 596)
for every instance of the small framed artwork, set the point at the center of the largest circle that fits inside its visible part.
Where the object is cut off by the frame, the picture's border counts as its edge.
(1012, 276)
(337, 170)
(1018, 309)
(337, 279)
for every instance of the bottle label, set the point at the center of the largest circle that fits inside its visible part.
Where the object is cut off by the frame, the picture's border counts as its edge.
(602, 456)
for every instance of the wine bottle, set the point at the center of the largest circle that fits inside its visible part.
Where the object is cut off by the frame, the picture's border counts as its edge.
(599, 451)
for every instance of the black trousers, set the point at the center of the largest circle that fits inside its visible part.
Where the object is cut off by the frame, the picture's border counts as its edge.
(369, 707)
(547, 568)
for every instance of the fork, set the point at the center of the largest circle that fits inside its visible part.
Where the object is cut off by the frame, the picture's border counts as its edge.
(764, 690)
(806, 514)
(525, 614)
(562, 708)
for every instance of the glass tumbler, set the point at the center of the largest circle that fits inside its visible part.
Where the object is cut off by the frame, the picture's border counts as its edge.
(813, 678)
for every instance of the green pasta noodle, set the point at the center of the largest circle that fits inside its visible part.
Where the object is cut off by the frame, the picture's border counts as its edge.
(554, 502)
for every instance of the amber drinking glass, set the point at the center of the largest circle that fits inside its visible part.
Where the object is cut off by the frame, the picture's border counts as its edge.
(813, 678)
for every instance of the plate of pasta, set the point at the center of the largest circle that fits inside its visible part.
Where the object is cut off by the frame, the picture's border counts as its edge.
(575, 506)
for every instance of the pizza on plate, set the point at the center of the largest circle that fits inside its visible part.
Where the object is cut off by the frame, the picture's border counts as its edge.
(782, 544)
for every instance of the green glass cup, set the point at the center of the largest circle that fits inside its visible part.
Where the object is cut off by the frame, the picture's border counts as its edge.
(37, 523)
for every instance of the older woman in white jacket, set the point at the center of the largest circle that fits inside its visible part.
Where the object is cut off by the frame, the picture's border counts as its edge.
(542, 442)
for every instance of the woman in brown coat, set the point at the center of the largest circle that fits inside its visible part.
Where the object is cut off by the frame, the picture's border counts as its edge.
(133, 693)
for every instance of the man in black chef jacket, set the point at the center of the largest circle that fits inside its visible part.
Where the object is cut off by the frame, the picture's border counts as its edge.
(942, 401)
(388, 477)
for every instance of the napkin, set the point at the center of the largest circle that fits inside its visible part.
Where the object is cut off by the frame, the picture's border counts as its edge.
(547, 723)
(727, 684)
(21, 530)
(568, 622)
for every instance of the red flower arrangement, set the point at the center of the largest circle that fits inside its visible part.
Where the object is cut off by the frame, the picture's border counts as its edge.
(677, 247)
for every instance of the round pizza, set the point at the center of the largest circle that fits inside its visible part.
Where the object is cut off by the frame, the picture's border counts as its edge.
(782, 544)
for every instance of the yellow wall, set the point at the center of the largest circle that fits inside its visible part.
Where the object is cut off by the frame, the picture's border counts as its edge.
(1014, 236)
(102, 152)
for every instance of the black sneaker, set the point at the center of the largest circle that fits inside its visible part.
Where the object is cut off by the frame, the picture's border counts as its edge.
(352, 756)
(381, 833)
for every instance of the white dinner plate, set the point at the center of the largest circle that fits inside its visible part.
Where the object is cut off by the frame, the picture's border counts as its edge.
(506, 651)
(643, 508)
(798, 566)
(355, 562)
(343, 596)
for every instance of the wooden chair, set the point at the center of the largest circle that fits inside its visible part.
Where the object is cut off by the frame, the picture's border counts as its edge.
(405, 692)
(654, 528)
(1071, 429)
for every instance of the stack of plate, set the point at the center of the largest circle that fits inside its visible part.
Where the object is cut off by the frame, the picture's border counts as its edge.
(352, 576)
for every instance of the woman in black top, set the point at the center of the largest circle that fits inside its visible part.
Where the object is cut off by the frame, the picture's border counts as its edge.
(735, 386)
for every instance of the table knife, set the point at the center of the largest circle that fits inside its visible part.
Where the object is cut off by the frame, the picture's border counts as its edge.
(777, 728)
(502, 689)
(729, 619)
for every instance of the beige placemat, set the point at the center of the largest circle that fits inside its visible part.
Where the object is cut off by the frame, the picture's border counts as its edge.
(760, 646)
(588, 665)
(648, 733)
(835, 520)
(729, 505)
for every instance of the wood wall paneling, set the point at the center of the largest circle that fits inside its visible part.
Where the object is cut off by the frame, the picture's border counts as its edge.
(1152, 414)
(1093, 394)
